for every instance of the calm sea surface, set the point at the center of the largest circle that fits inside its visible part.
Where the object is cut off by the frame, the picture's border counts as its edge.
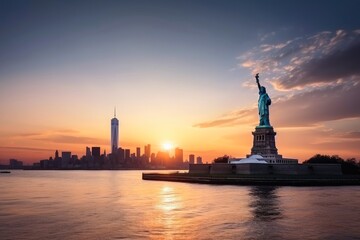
(119, 205)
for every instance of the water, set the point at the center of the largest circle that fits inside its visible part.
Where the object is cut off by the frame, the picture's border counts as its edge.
(119, 205)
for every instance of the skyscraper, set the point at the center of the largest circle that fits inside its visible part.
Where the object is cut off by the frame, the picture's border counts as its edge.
(114, 133)
(191, 158)
(138, 152)
(95, 152)
(199, 160)
(88, 152)
(147, 151)
(179, 156)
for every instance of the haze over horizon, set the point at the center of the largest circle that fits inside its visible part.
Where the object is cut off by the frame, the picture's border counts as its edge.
(179, 72)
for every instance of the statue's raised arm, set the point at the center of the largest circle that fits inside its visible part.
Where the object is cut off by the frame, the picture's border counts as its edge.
(257, 80)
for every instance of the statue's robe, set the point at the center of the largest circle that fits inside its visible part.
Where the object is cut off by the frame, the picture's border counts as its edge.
(263, 104)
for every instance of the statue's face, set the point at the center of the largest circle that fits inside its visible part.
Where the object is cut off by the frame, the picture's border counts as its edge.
(262, 90)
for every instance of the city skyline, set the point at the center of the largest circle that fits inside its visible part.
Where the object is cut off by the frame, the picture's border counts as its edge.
(180, 73)
(120, 157)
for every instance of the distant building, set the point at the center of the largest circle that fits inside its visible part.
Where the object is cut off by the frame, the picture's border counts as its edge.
(147, 150)
(191, 158)
(162, 158)
(127, 153)
(95, 152)
(15, 164)
(57, 160)
(114, 133)
(138, 152)
(120, 155)
(199, 160)
(88, 152)
(65, 156)
(44, 164)
(179, 156)
(153, 158)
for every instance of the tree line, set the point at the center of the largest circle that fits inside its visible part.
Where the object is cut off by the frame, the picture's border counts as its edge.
(348, 166)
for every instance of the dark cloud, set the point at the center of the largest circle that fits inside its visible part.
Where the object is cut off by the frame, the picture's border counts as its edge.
(337, 65)
(325, 57)
(304, 109)
(317, 106)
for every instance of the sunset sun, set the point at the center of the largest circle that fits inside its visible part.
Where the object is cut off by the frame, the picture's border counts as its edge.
(167, 146)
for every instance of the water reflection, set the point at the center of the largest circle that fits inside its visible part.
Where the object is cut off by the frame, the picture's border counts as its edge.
(264, 203)
(168, 199)
(169, 221)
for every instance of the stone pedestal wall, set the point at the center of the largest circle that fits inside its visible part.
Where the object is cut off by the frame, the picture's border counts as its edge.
(264, 141)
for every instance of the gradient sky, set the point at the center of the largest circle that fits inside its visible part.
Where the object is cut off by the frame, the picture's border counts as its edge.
(178, 71)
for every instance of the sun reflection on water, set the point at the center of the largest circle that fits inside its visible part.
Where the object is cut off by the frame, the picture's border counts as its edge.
(169, 200)
(169, 203)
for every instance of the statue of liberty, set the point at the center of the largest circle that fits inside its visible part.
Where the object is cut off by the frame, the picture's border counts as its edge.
(263, 104)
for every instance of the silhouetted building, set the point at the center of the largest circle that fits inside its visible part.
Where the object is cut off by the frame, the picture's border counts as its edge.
(199, 160)
(138, 152)
(114, 133)
(191, 158)
(65, 156)
(120, 155)
(95, 152)
(88, 152)
(57, 160)
(152, 158)
(179, 156)
(44, 164)
(162, 159)
(127, 154)
(15, 164)
(147, 150)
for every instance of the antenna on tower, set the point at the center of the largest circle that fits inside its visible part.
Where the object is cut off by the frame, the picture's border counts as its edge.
(114, 112)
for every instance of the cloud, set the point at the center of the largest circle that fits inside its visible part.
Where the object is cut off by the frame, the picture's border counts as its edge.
(28, 149)
(215, 123)
(242, 116)
(267, 36)
(61, 136)
(324, 58)
(339, 146)
(26, 135)
(73, 139)
(351, 135)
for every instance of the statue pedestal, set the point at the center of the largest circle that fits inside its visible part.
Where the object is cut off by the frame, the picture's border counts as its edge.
(264, 141)
(264, 145)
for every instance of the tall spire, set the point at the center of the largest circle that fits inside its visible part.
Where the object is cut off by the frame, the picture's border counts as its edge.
(114, 112)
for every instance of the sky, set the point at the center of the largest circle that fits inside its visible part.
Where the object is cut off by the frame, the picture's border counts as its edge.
(179, 72)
